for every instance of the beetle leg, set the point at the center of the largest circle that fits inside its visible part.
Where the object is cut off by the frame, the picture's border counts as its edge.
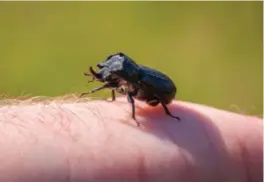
(87, 74)
(168, 112)
(113, 95)
(95, 89)
(132, 102)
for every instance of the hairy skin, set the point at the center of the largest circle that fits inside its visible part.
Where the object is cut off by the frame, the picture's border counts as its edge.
(98, 141)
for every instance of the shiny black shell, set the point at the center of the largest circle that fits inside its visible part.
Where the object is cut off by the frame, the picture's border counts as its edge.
(153, 83)
(121, 74)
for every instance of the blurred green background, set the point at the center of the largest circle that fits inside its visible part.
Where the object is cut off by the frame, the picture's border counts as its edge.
(212, 50)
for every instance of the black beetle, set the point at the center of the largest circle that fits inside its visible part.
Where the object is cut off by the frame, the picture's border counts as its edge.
(120, 73)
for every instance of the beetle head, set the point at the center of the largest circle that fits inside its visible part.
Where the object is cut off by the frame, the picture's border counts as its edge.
(122, 66)
(103, 75)
(111, 60)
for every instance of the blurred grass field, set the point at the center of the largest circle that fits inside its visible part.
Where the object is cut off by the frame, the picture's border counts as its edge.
(212, 50)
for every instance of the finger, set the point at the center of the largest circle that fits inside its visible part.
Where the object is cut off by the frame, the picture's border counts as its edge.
(100, 142)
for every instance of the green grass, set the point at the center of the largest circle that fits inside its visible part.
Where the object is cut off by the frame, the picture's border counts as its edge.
(212, 50)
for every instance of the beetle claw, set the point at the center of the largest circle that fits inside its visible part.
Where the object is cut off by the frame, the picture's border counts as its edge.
(168, 112)
(84, 94)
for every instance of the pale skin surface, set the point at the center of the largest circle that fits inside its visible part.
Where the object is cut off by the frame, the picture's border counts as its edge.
(98, 141)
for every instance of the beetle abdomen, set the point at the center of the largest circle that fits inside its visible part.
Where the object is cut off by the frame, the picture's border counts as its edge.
(158, 83)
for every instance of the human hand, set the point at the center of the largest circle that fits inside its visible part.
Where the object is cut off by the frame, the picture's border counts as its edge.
(98, 141)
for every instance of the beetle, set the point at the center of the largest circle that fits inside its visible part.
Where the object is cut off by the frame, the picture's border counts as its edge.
(123, 75)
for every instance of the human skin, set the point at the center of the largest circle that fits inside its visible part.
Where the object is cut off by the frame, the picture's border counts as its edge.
(87, 140)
